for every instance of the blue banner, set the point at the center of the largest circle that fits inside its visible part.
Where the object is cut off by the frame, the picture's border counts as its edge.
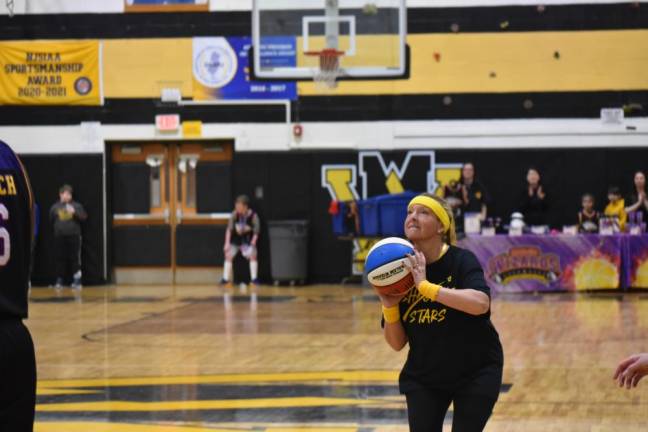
(221, 68)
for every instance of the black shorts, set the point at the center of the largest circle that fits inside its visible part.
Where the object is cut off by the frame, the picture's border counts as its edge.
(18, 383)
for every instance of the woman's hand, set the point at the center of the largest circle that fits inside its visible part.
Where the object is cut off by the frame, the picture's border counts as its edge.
(416, 265)
(389, 300)
(541, 193)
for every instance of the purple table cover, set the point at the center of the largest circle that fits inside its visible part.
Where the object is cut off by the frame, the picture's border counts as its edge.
(635, 261)
(531, 263)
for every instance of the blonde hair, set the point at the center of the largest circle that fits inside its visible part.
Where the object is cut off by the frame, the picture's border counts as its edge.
(450, 236)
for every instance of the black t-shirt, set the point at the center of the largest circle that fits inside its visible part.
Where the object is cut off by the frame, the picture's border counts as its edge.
(15, 235)
(533, 207)
(588, 223)
(477, 196)
(249, 225)
(65, 222)
(448, 348)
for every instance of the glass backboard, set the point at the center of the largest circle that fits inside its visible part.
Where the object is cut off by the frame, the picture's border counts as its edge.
(369, 36)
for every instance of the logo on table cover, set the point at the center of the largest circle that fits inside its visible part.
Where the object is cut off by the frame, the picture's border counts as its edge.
(524, 262)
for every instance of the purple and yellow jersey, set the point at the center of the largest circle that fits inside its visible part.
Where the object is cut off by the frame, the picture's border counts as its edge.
(16, 219)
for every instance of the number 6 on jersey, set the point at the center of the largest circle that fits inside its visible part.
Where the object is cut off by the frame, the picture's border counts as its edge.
(5, 241)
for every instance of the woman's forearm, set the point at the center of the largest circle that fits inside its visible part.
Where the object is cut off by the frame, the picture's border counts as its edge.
(633, 207)
(395, 335)
(470, 301)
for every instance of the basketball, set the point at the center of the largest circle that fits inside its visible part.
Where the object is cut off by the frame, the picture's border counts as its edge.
(385, 265)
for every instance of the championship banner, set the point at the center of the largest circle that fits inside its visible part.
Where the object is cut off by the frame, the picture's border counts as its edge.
(50, 73)
(635, 261)
(529, 263)
(221, 69)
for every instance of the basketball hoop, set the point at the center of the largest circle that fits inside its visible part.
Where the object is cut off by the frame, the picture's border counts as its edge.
(329, 67)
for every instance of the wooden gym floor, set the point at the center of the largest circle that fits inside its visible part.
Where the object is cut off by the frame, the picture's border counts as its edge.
(193, 359)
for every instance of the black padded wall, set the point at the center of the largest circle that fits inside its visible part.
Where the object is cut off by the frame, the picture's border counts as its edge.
(214, 187)
(84, 172)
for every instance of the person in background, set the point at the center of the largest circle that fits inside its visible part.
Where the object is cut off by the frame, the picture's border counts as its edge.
(474, 195)
(453, 194)
(241, 236)
(17, 359)
(532, 202)
(637, 200)
(67, 215)
(616, 208)
(588, 217)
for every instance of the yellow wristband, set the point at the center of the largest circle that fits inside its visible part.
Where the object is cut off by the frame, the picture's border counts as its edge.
(391, 314)
(429, 290)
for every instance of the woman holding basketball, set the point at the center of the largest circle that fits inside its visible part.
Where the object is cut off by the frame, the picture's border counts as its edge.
(455, 354)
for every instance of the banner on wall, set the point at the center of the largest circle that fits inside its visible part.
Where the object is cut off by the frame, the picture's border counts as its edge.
(221, 68)
(531, 263)
(50, 73)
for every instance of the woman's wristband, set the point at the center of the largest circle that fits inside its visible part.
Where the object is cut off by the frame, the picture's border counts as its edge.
(429, 290)
(391, 314)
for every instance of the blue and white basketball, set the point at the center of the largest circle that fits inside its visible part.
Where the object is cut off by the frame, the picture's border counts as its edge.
(385, 266)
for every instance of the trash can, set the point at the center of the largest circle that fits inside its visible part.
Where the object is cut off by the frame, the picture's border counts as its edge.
(288, 251)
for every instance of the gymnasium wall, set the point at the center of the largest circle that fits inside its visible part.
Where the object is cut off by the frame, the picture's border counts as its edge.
(298, 189)
(514, 86)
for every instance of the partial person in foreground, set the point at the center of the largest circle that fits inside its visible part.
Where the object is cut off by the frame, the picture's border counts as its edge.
(631, 370)
(241, 236)
(455, 354)
(66, 216)
(17, 359)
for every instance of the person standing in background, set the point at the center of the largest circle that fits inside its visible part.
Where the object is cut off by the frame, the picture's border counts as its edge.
(637, 200)
(532, 202)
(474, 195)
(66, 216)
(241, 236)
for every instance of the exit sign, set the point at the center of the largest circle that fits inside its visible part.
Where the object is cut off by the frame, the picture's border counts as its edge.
(167, 122)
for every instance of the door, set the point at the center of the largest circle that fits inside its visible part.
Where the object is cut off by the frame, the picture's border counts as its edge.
(170, 206)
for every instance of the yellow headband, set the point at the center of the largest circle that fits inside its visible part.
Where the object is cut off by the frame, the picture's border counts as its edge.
(436, 208)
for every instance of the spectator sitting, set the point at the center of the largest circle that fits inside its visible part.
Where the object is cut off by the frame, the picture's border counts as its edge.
(616, 208)
(588, 218)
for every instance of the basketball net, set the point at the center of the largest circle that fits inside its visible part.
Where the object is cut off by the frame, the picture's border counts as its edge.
(10, 7)
(326, 76)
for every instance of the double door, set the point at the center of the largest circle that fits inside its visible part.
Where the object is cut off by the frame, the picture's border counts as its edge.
(170, 205)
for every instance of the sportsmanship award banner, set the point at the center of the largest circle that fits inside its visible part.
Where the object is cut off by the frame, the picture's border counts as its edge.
(50, 73)
(221, 68)
(548, 263)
